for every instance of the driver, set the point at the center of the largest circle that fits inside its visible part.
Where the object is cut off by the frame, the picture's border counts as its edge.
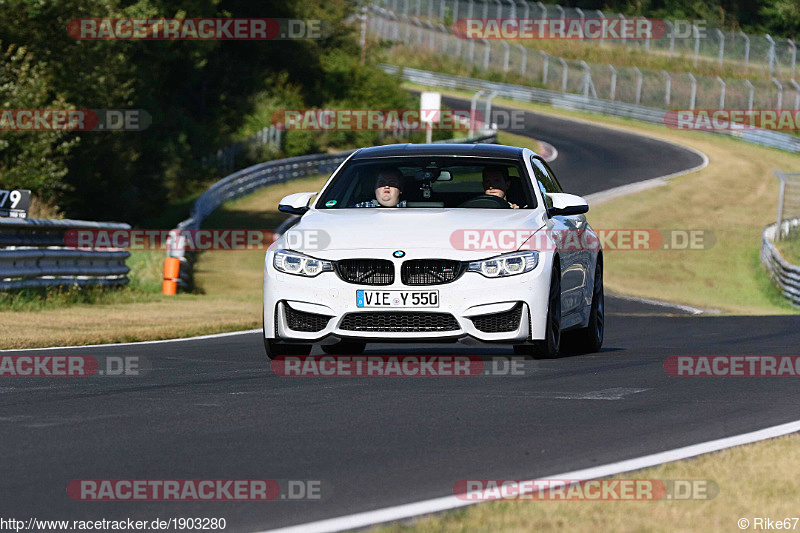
(388, 188)
(496, 183)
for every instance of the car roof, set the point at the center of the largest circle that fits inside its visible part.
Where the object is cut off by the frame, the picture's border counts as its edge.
(425, 150)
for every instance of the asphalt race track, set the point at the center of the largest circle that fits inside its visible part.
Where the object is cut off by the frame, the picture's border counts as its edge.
(212, 409)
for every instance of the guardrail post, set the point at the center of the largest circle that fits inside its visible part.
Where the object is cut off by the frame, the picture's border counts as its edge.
(796, 94)
(564, 73)
(473, 104)
(721, 93)
(721, 46)
(613, 90)
(586, 82)
(488, 118)
(638, 84)
(671, 36)
(780, 175)
(444, 37)
(693, 95)
(602, 16)
(780, 93)
(746, 48)
(750, 95)
(562, 14)
(513, 9)
(543, 8)
(794, 56)
(770, 54)
(486, 52)
(696, 33)
(506, 55)
(524, 59)
(545, 64)
(667, 87)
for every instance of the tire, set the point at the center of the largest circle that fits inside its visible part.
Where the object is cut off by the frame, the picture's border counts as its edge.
(274, 349)
(590, 338)
(549, 347)
(344, 348)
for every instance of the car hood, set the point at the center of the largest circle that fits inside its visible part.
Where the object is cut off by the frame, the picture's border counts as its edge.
(338, 233)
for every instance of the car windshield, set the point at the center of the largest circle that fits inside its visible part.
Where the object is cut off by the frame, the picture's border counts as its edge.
(429, 182)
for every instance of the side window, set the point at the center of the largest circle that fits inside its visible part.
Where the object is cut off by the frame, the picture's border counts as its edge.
(549, 180)
(542, 179)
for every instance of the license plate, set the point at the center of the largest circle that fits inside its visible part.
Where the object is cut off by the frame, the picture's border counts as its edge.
(397, 298)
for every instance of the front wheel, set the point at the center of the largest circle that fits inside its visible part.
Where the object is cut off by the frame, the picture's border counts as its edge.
(275, 349)
(549, 347)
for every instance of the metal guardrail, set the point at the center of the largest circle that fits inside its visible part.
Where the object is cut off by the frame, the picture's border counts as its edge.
(246, 181)
(772, 139)
(33, 254)
(785, 274)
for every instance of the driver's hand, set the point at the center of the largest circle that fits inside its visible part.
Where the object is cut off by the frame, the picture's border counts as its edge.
(514, 206)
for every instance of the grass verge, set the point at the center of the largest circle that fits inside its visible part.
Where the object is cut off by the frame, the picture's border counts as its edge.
(749, 486)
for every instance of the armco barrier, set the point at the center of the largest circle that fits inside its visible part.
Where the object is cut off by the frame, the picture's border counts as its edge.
(246, 181)
(773, 139)
(786, 275)
(33, 254)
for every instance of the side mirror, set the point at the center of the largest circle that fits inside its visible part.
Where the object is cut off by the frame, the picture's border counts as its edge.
(295, 204)
(567, 204)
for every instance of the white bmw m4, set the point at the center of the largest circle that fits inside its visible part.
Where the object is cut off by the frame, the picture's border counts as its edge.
(435, 243)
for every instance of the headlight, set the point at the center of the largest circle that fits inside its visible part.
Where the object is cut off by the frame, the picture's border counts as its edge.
(506, 265)
(299, 264)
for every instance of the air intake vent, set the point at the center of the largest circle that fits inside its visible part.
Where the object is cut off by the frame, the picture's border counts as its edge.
(430, 271)
(499, 322)
(387, 321)
(302, 321)
(366, 271)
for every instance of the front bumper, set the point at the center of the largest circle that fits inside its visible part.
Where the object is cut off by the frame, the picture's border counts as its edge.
(322, 310)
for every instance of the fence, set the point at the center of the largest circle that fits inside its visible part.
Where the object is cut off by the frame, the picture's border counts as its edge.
(33, 254)
(788, 197)
(785, 275)
(755, 52)
(634, 85)
(246, 181)
(522, 93)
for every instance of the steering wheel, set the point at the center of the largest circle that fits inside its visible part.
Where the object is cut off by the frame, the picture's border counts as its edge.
(486, 201)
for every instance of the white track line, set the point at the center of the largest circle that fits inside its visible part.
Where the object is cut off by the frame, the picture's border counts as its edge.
(181, 339)
(445, 503)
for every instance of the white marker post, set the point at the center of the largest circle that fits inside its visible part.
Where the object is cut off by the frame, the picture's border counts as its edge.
(430, 105)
